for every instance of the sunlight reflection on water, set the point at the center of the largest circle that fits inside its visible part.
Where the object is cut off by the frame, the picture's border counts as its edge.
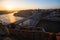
(9, 18)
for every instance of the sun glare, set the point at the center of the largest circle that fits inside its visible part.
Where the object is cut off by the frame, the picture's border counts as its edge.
(9, 7)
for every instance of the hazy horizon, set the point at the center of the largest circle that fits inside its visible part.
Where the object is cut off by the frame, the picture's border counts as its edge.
(29, 4)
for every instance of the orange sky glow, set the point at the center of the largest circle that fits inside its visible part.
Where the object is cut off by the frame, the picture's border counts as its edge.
(28, 4)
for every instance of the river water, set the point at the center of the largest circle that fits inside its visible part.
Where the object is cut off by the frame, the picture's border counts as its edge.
(9, 18)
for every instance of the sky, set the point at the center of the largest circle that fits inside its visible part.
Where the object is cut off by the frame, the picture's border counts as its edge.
(29, 4)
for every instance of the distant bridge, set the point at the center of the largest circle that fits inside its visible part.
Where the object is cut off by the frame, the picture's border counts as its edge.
(34, 19)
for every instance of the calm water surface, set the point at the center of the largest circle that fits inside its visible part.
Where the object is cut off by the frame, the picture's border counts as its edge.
(9, 18)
